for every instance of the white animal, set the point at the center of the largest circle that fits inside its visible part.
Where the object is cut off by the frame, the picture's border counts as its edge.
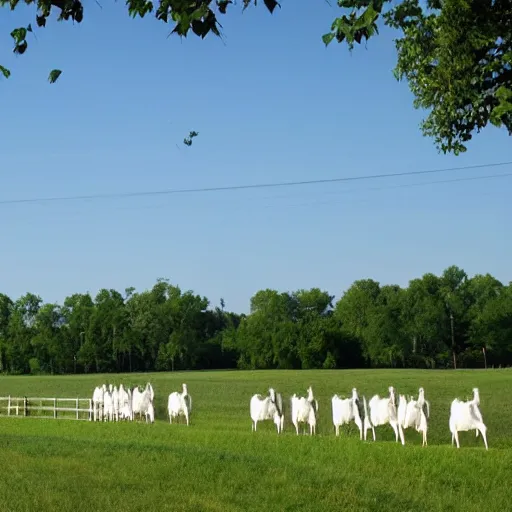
(346, 410)
(141, 400)
(115, 403)
(108, 407)
(414, 414)
(125, 410)
(476, 401)
(465, 416)
(382, 412)
(97, 403)
(179, 404)
(267, 408)
(125, 401)
(150, 413)
(304, 410)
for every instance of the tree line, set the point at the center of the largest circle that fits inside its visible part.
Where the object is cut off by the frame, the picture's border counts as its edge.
(442, 321)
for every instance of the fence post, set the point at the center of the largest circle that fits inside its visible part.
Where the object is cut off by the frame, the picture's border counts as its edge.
(77, 408)
(25, 404)
(54, 408)
(90, 409)
(9, 406)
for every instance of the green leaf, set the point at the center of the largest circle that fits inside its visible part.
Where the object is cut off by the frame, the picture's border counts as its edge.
(327, 38)
(21, 48)
(271, 5)
(223, 5)
(5, 72)
(19, 34)
(54, 75)
(188, 140)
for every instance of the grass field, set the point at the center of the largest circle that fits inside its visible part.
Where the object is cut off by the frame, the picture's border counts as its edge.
(218, 464)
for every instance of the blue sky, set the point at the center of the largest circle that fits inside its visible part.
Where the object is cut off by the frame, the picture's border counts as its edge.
(271, 104)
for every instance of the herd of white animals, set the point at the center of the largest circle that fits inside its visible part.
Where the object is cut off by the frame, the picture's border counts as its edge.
(464, 415)
(110, 403)
(113, 404)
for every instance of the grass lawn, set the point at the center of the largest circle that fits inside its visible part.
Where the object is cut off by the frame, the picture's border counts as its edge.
(219, 464)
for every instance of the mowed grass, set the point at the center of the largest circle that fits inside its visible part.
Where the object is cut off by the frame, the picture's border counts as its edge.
(218, 464)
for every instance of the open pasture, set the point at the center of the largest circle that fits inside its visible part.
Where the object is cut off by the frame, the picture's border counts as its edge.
(219, 464)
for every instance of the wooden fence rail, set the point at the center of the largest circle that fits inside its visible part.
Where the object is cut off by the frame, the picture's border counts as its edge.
(46, 407)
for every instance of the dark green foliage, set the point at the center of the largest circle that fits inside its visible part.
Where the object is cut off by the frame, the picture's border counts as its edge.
(455, 54)
(188, 140)
(436, 322)
(54, 75)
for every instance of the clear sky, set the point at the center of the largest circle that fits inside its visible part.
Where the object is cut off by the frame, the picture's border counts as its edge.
(271, 104)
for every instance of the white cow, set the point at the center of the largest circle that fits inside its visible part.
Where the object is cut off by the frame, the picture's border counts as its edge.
(304, 410)
(382, 412)
(414, 414)
(465, 416)
(346, 410)
(179, 404)
(267, 408)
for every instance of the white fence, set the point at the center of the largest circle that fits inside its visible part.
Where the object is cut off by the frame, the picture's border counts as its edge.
(56, 408)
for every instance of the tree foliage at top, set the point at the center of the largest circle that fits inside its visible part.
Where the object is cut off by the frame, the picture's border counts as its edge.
(455, 54)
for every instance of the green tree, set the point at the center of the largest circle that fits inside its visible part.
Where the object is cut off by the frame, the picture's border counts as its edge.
(77, 312)
(6, 307)
(47, 344)
(21, 330)
(490, 330)
(313, 309)
(454, 292)
(455, 54)
(354, 310)
(387, 343)
(425, 321)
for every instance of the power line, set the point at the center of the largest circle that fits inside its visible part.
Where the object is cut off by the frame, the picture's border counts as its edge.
(247, 187)
(407, 185)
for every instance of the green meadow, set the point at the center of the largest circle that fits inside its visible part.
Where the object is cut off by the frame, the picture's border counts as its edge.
(218, 464)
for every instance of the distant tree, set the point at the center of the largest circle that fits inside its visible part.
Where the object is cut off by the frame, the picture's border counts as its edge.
(435, 322)
(455, 54)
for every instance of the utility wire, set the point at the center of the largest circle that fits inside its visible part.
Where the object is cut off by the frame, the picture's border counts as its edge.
(246, 187)
(406, 185)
